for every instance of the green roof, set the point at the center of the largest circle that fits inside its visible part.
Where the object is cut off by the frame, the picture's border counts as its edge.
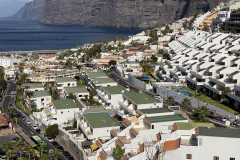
(64, 104)
(100, 120)
(155, 110)
(189, 125)
(33, 85)
(219, 132)
(37, 94)
(96, 75)
(76, 90)
(103, 80)
(114, 89)
(140, 98)
(64, 79)
(167, 118)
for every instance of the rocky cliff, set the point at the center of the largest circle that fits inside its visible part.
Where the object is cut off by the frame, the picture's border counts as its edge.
(118, 13)
(31, 10)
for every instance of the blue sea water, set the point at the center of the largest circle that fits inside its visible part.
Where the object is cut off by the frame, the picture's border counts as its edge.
(22, 35)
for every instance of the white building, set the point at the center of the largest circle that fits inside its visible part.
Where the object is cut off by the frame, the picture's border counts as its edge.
(40, 99)
(63, 82)
(79, 92)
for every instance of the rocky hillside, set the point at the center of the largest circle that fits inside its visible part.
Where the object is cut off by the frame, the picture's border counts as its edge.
(31, 10)
(117, 13)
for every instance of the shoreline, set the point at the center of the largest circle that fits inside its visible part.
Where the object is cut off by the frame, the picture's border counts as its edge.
(32, 52)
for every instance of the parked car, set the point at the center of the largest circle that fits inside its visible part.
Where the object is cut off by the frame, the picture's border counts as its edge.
(35, 127)
(50, 139)
(66, 154)
(38, 130)
(55, 144)
(70, 158)
(60, 148)
(23, 118)
(15, 139)
(28, 122)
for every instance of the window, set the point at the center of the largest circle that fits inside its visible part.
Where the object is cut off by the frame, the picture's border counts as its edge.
(152, 126)
(62, 112)
(215, 158)
(189, 156)
(232, 158)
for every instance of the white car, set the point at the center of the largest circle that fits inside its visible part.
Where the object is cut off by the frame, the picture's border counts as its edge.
(28, 122)
(35, 127)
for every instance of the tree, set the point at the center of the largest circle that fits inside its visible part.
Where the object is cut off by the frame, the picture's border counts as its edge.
(154, 58)
(118, 152)
(186, 103)
(72, 96)
(10, 154)
(29, 94)
(8, 148)
(30, 151)
(112, 63)
(2, 80)
(52, 130)
(10, 111)
(55, 154)
(200, 115)
(170, 101)
(44, 157)
(20, 145)
(166, 56)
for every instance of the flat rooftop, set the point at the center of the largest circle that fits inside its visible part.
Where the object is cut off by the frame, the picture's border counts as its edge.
(155, 110)
(76, 90)
(65, 79)
(64, 104)
(103, 80)
(219, 132)
(189, 125)
(37, 94)
(140, 98)
(167, 118)
(100, 120)
(114, 89)
(33, 85)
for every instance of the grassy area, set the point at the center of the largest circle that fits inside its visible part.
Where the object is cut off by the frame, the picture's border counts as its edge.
(74, 132)
(23, 108)
(202, 97)
(81, 82)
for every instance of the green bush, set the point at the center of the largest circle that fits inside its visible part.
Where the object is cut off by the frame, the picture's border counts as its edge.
(52, 130)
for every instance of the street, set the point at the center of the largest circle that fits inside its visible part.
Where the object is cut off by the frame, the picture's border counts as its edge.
(27, 129)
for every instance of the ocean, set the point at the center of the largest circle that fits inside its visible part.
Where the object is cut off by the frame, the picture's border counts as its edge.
(22, 35)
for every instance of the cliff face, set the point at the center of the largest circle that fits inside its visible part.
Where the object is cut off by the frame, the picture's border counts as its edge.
(122, 13)
(31, 10)
(114, 13)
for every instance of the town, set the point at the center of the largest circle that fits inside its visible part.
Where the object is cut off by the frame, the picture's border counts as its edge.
(171, 93)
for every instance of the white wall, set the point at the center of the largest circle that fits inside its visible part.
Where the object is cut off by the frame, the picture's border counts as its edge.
(38, 101)
(63, 115)
(224, 148)
(102, 132)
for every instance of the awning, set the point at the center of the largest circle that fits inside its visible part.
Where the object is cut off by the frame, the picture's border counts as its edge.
(94, 146)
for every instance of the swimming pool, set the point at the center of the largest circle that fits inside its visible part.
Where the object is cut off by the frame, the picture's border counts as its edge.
(184, 92)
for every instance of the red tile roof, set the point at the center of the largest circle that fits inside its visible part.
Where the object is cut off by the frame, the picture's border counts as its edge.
(103, 155)
(113, 133)
(118, 142)
(134, 132)
(126, 122)
(98, 143)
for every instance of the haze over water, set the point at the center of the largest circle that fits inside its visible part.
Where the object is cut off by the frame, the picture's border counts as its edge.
(21, 35)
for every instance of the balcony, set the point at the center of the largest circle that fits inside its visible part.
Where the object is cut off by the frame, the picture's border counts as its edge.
(103, 97)
(127, 107)
(84, 127)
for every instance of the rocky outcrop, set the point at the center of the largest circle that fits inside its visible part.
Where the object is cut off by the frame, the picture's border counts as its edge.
(122, 13)
(31, 11)
(117, 13)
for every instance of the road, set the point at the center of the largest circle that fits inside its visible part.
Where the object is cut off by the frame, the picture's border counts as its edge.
(27, 129)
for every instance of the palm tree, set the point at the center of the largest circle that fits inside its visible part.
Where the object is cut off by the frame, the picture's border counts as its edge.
(29, 94)
(10, 111)
(44, 157)
(30, 151)
(170, 101)
(40, 149)
(10, 154)
(20, 145)
(186, 103)
(20, 93)
(55, 154)
(7, 146)
(52, 87)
